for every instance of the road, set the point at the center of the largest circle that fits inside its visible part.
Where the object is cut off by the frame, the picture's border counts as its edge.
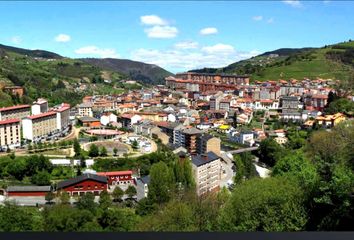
(241, 150)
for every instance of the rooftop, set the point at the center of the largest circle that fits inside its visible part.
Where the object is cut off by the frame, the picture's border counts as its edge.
(28, 188)
(87, 176)
(14, 107)
(199, 160)
(9, 121)
(41, 115)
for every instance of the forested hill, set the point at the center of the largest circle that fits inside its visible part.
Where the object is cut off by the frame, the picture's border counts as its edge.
(142, 72)
(332, 61)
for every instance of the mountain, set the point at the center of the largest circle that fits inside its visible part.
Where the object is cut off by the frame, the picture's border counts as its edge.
(31, 53)
(142, 72)
(332, 61)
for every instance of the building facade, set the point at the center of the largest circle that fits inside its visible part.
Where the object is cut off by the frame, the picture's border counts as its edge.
(83, 184)
(38, 126)
(15, 112)
(10, 133)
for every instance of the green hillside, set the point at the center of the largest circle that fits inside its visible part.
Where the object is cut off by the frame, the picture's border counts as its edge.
(59, 80)
(329, 62)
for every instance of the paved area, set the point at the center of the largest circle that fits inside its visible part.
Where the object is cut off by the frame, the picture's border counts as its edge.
(27, 201)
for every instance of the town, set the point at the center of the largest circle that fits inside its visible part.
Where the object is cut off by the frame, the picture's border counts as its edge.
(205, 118)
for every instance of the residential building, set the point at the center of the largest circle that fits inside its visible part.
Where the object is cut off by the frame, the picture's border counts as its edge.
(83, 184)
(39, 106)
(208, 143)
(10, 133)
(63, 116)
(142, 187)
(190, 139)
(85, 109)
(243, 137)
(89, 122)
(118, 177)
(107, 118)
(28, 191)
(14, 90)
(15, 112)
(207, 172)
(38, 126)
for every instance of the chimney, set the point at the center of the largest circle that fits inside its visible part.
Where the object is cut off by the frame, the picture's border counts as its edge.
(204, 156)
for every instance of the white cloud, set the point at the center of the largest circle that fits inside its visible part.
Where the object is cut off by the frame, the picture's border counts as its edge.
(16, 40)
(186, 45)
(152, 20)
(208, 31)
(62, 38)
(293, 3)
(257, 18)
(161, 32)
(219, 49)
(270, 20)
(187, 59)
(101, 52)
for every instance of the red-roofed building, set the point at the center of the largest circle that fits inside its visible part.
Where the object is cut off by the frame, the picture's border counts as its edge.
(10, 133)
(118, 177)
(15, 112)
(39, 126)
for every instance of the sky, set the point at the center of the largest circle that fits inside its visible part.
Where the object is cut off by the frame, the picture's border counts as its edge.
(177, 36)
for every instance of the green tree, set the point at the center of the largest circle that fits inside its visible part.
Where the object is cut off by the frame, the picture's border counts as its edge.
(36, 164)
(64, 197)
(87, 201)
(135, 144)
(77, 148)
(118, 220)
(14, 219)
(117, 193)
(17, 169)
(276, 206)
(269, 151)
(245, 168)
(49, 197)
(161, 182)
(115, 151)
(42, 178)
(103, 151)
(131, 191)
(105, 200)
(93, 151)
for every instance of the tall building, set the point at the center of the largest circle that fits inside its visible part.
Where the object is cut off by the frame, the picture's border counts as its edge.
(63, 116)
(39, 106)
(15, 112)
(85, 109)
(38, 126)
(207, 172)
(190, 139)
(208, 143)
(10, 133)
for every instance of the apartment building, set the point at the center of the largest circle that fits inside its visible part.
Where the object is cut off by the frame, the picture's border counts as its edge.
(190, 139)
(39, 106)
(14, 112)
(10, 133)
(207, 172)
(63, 116)
(85, 109)
(41, 125)
(208, 143)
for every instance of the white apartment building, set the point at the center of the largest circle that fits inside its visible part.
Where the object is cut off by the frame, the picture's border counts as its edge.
(207, 172)
(85, 109)
(38, 126)
(15, 112)
(39, 106)
(63, 117)
(10, 133)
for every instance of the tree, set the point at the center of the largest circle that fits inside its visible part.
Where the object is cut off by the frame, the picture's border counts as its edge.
(17, 169)
(14, 219)
(245, 168)
(117, 193)
(42, 178)
(93, 151)
(183, 173)
(135, 144)
(87, 201)
(342, 105)
(82, 162)
(103, 151)
(161, 181)
(131, 191)
(49, 197)
(277, 206)
(37, 163)
(77, 148)
(115, 151)
(64, 197)
(118, 220)
(105, 200)
(269, 151)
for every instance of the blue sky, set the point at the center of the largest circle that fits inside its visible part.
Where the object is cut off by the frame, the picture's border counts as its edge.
(178, 36)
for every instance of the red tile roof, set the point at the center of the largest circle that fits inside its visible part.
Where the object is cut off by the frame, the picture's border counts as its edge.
(115, 173)
(9, 121)
(42, 115)
(14, 107)
(62, 109)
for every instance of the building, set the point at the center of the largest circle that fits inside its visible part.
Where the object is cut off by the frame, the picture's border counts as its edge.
(118, 177)
(190, 139)
(39, 106)
(288, 102)
(28, 191)
(10, 133)
(107, 118)
(330, 120)
(208, 143)
(290, 115)
(39, 126)
(90, 122)
(207, 172)
(83, 184)
(63, 117)
(15, 112)
(243, 137)
(14, 90)
(128, 120)
(85, 109)
(142, 187)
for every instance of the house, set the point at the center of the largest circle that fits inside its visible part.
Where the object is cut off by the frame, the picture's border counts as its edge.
(289, 102)
(291, 115)
(85, 109)
(142, 187)
(243, 137)
(281, 140)
(330, 120)
(128, 120)
(190, 138)
(118, 177)
(10, 133)
(83, 184)
(107, 118)
(28, 191)
(90, 122)
(207, 172)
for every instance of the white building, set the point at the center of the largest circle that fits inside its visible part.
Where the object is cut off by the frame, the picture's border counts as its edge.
(39, 106)
(39, 126)
(85, 109)
(10, 133)
(108, 118)
(63, 117)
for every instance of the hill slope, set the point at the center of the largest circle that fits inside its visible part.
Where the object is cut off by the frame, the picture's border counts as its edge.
(334, 61)
(142, 72)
